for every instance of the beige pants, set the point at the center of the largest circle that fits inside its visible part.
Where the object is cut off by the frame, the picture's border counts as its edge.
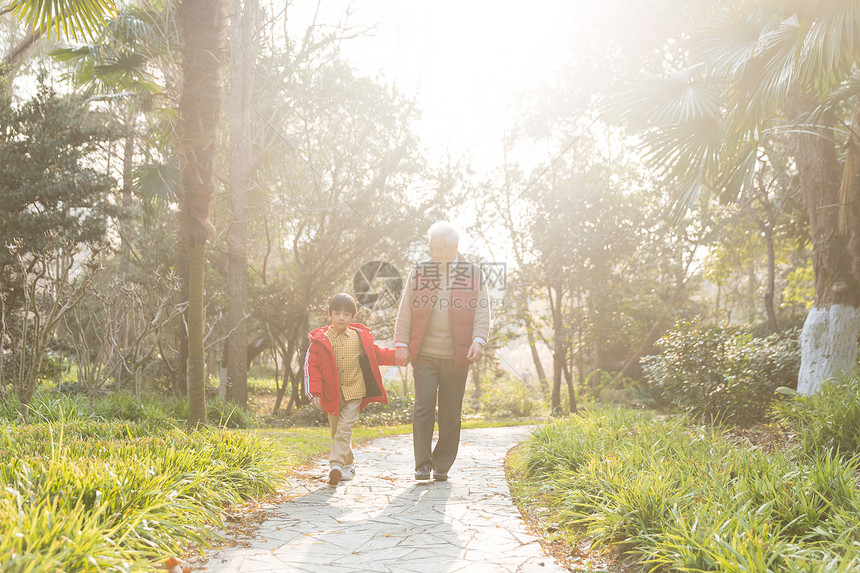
(341, 432)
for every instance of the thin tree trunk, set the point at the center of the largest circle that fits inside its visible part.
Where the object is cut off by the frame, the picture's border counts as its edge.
(125, 248)
(771, 280)
(558, 344)
(541, 373)
(180, 374)
(568, 378)
(596, 372)
(243, 51)
(476, 392)
(17, 55)
(196, 358)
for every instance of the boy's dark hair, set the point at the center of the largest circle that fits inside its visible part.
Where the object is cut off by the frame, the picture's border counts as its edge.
(343, 301)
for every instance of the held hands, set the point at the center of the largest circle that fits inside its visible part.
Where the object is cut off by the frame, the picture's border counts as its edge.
(475, 352)
(401, 356)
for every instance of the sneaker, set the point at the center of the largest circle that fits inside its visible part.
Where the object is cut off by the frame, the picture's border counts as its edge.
(334, 475)
(348, 473)
(422, 473)
(440, 476)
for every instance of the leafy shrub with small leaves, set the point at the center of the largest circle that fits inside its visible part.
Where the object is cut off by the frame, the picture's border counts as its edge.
(397, 411)
(722, 372)
(507, 398)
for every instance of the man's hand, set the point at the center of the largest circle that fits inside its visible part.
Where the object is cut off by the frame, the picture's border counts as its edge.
(401, 356)
(475, 352)
(316, 401)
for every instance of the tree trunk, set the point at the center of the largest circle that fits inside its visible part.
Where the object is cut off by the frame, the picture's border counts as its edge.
(558, 347)
(771, 279)
(568, 378)
(202, 27)
(595, 375)
(541, 373)
(476, 392)
(125, 248)
(196, 359)
(180, 374)
(243, 56)
(829, 338)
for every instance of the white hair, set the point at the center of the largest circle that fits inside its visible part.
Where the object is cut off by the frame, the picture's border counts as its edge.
(446, 230)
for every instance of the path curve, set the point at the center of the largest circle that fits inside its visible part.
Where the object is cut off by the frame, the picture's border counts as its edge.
(384, 521)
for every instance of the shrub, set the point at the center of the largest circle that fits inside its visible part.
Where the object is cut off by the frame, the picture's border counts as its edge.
(722, 373)
(504, 398)
(826, 420)
(397, 411)
(624, 392)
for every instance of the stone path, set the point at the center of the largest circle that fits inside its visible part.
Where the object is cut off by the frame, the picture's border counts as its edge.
(384, 521)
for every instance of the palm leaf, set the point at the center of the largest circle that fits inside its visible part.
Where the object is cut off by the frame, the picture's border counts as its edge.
(767, 77)
(678, 98)
(75, 18)
(157, 184)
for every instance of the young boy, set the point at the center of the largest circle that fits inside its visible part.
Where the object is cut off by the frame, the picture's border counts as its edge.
(342, 377)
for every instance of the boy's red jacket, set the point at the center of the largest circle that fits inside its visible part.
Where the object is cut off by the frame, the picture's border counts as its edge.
(321, 377)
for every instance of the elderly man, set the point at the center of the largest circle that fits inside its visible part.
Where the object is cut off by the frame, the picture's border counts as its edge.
(442, 326)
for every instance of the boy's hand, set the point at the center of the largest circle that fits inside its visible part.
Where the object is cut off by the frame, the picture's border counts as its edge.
(401, 356)
(316, 401)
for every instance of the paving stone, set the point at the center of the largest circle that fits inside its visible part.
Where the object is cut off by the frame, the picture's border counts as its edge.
(385, 522)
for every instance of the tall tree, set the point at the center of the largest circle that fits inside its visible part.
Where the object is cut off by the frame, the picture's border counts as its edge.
(203, 28)
(244, 47)
(759, 68)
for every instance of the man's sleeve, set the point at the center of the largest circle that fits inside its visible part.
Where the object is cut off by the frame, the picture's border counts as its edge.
(403, 324)
(481, 325)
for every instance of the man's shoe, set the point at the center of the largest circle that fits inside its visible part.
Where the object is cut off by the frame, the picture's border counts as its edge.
(334, 475)
(440, 476)
(422, 473)
(347, 473)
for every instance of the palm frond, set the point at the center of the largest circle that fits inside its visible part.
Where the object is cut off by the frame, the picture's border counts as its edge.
(678, 98)
(74, 18)
(832, 44)
(767, 77)
(157, 184)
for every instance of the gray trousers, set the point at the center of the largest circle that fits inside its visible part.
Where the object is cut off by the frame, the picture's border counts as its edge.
(437, 380)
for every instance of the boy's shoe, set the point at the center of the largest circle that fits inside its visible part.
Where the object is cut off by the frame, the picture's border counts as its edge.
(440, 476)
(422, 473)
(347, 473)
(334, 475)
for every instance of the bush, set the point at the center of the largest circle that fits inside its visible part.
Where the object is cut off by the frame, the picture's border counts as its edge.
(506, 398)
(827, 420)
(624, 392)
(722, 373)
(397, 411)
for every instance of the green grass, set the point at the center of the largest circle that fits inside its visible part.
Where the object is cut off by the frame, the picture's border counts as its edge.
(827, 420)
(113, 496)
(123, 487)
(686, 497)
